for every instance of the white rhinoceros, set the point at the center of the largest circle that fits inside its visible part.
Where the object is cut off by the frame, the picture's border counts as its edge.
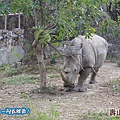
(82, 56)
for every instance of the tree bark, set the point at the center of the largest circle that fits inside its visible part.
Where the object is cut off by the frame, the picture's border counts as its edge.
(42, 13)
(39, 54)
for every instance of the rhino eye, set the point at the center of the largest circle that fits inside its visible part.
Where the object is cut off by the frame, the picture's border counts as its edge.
(66, 72)
(75, 70)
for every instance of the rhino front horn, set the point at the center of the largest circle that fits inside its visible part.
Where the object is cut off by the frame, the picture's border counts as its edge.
(63, 78)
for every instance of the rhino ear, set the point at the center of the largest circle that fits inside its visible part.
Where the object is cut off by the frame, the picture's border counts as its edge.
(79, 47)
(65, 46)
(64, 50)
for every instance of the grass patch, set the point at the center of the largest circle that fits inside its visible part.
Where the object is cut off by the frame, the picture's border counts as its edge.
(10, 71)
(33, 69)
(99, 116)
(113, 58)
(24, 95)
(53, 76)
(20, 79)
(48, 67)
(115, 86)
(118, 63)
(51, 115)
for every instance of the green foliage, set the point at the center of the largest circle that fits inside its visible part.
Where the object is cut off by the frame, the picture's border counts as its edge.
(4, 7)
(89, 32)
(76, 17)
(71, 17)
(43, 38)
(55, 44)
(109, 27)
(23, 6)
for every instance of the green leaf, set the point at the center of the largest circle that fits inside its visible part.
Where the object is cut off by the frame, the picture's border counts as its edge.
(55, 44)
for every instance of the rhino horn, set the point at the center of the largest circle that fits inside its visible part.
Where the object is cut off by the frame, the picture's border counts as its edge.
(63, 78)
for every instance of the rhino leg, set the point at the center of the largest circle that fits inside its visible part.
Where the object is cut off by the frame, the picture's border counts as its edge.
(83, 76)
(92, 79)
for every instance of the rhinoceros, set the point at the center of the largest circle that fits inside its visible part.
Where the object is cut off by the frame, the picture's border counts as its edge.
(82, 56)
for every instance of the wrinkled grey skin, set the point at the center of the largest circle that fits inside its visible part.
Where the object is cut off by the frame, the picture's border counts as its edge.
(82, 57)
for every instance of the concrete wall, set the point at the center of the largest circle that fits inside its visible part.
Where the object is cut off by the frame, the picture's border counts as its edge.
(16, 54)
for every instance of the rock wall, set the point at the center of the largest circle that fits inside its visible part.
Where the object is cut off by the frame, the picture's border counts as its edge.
(11, 46)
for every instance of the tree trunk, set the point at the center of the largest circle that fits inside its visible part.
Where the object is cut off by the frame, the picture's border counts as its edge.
(39, 54)
(39, 51)
(42, 13)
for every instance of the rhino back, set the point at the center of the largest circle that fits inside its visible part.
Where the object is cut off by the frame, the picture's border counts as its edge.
(89, 58)
(94, 50)
(100, 47)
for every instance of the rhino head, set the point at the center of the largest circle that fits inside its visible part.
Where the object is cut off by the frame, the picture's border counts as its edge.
(71, 66)
(70, 71)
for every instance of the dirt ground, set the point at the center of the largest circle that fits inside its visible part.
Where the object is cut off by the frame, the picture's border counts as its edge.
(70, 105)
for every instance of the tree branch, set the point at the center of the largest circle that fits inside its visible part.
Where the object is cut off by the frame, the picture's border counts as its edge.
(54, 49)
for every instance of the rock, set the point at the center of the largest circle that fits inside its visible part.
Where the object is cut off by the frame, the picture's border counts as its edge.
(14, 35)
(3, 56)
(16, 54)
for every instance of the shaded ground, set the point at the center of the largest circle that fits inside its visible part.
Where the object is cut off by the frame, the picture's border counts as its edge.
(70, 105)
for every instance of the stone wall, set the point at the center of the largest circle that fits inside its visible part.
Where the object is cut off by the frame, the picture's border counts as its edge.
(11, 46)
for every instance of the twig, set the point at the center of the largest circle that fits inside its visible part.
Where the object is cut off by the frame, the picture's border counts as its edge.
(54, 48)
(2, 84)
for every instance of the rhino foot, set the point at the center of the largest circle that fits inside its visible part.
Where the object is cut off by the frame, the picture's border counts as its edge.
(68, 89)
(92, 81)
(81, 89)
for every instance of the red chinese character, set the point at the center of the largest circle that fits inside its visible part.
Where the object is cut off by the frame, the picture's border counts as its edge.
(118, 111)
(112, 112)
